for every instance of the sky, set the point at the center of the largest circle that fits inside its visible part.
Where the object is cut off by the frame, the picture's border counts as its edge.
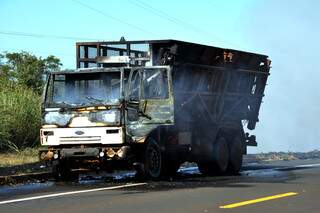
(287, 30)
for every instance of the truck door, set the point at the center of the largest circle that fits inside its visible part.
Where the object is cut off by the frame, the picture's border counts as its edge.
(150, 90)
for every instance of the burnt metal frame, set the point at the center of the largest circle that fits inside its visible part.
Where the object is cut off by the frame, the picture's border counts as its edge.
(226, 67)
(219, 114)
(103, 46)
(100, 44)
(169, 81)
(86, 71)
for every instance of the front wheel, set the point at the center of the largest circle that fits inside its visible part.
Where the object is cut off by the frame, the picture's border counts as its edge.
(153, 160)
(156, 163)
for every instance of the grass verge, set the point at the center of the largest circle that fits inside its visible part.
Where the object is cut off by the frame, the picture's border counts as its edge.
(26, 156)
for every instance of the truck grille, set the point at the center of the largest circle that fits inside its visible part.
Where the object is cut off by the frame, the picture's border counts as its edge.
(80, 139)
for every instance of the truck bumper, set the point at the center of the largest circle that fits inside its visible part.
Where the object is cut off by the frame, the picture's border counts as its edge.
(87, 153)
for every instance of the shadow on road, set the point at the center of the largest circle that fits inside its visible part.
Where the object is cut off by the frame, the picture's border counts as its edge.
(187, 178)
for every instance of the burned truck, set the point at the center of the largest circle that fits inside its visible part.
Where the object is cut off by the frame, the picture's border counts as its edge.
(151, 106)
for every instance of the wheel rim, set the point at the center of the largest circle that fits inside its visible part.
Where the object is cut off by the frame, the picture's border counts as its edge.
(154, 161)
(235, 156)
(222, 154)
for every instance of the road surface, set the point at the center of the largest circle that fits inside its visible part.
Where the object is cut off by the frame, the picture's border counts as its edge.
(287, 186)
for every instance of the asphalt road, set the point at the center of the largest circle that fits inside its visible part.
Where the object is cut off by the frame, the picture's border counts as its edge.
(288, 186)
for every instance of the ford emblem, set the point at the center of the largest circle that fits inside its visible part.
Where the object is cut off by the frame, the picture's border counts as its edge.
(79, 132)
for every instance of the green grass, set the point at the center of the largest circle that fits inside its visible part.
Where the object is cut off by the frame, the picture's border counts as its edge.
(19, 117)
(28, 155)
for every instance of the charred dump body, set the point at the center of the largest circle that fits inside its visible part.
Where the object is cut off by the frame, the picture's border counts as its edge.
(153, 105)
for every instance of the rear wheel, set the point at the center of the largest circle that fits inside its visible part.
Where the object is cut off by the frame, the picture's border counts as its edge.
(235, 155)
(220, 159)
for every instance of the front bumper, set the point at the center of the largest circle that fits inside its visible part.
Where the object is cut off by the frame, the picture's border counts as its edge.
(87, 153)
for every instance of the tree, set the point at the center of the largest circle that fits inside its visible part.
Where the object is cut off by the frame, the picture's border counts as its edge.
(4, 69)
(27, 69)
(21, 82)
(51, 63)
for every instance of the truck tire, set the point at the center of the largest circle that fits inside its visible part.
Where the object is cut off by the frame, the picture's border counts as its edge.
(154, 162)
(235, 156)
(156, 165)
(219, 164)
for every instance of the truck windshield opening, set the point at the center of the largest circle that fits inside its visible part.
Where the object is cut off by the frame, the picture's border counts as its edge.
(84, 89)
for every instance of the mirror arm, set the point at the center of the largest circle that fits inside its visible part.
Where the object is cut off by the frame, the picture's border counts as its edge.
(144, 115)
(145, 106)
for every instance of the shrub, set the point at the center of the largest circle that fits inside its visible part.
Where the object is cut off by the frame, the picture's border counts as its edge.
(19, 116)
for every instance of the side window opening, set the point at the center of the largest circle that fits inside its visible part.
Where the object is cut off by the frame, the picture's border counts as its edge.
(126, 75)
(58, 88)
(155, 84)
(135, 85)
(49, 93)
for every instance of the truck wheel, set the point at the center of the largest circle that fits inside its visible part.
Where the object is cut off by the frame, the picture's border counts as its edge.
(235, 156)
(153, 160)
(219, 163)
(61, 171)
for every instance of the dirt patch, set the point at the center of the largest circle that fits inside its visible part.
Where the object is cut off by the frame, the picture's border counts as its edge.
(24, 169)
(21, 163)
(24, 173)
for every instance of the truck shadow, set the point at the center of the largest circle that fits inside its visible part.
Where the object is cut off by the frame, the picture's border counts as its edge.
(187, 178)
(190, 177)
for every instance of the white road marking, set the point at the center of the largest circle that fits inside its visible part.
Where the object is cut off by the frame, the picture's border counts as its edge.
(308, 165)
(297, 166)
(70, 193)
(117, 187)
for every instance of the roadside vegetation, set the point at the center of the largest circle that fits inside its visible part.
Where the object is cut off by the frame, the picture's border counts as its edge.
(21, 81)
(282, 156)
(26, 156)
(19, 115)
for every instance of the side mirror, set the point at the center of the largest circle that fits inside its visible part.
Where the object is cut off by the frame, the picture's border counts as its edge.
(143, 106)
